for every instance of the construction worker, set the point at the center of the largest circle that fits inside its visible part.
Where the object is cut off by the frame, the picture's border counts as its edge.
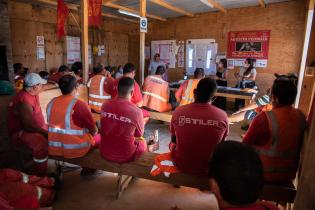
(196, 129)
(277, 135)
(185, 93)
(236, 177)
(136, 97)
(26, 122)
(63, 70)
(71, 126)
(19, 190)
(98, 87)
(156, 92)
(121, 123)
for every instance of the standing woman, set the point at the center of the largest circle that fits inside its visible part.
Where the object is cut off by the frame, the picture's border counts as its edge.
(246, 78)
(221, 79)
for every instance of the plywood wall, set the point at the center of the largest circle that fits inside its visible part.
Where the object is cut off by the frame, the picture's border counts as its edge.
(285, 20)
(29, 21)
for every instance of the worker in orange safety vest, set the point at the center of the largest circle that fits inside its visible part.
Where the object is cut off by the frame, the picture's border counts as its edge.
(98, 86)
(185, 93)
(277, 135)
(71, 126)
(156, 92)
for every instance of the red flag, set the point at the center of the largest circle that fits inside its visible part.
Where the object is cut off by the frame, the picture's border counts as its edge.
(62, 15)
(95, 12)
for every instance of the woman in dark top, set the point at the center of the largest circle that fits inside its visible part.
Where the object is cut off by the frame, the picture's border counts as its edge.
(221, 76)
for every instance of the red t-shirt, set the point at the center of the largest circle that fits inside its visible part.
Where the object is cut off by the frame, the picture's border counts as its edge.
(121, 122)
(55, 77)
(4, 204)
(198, 129)
(82, 115)
(14, 122)
(256, 206)
(258, 133)
(135, 98)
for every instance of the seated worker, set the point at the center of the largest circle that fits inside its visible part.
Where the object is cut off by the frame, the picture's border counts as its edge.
(221, 79)
(18, 77)
(156, 92)
(236, 177)
(26, 122)
(63, 70)
(136, 97)
(71, 126)
(76, 68)
(121, 123)
(196, 129)
(185, 93)
(98, 88)
(21, 191)
(277, 135)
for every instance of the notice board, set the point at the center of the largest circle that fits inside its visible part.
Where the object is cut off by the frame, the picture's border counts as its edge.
(166, 49)
(73, 46)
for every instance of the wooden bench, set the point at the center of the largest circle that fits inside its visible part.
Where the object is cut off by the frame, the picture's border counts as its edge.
(162, 116)
(141, 168)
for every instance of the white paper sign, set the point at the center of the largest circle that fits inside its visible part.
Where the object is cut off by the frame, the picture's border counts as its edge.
(73, 49)
(143, 24)
(40, 40)
(40, 53)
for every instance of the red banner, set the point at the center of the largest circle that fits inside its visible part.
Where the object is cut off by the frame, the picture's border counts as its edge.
(95, 12)
(248, 44)
(62, 15)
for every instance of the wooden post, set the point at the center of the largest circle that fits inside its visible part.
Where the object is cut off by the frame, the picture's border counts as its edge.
(143, 11)
(85, 39)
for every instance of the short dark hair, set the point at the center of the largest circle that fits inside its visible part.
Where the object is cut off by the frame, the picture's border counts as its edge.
(199, 73)
(238, 170)
(224, 62)
(128, 68)
(67, 84)
(43, 74)
(206, 89)
(285, 90)
(160, 70)
(77, 67)
(17, 67)
(63, 68)
(125, 86)
(98, 68)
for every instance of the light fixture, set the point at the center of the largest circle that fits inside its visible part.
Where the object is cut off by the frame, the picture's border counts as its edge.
(128, 13)
(206, 2)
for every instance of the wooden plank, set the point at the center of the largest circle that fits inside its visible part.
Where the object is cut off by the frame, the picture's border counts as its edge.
(217, 6)
(119, 17)
(171, 7)
(116, 6)
(85, 39)
(143, 11)
(54, 3)
(262, 3)
(162, 116)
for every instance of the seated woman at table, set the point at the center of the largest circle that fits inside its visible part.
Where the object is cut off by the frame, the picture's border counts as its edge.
(246, 77)
(221, 79)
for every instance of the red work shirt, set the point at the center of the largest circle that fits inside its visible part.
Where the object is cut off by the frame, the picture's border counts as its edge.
(121, 122)
(4, 204)
(198, 129)
(55, 77)
(82, 115)
(135, 98)
(14, 121)
(256, 206)
(258, 132)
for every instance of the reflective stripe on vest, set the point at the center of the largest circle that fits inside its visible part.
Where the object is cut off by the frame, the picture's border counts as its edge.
(95, 103)
(25, 178)
(157, 79)
(40, 160)
(273, 152)
(67, 129)
(68, 146)
(186, 96)
(39, 193)
(155, 96)
(101, 91)
(99, 97)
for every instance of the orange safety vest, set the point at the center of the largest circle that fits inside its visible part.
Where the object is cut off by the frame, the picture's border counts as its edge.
(97, 95)
(156, 94)
(281, 155)
(188, 96)
(163, 163)
(64, 137)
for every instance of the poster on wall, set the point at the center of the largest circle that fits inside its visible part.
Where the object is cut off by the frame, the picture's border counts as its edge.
(181, 54)
(73, 49)
(40, 47)
(248, 44)
(166, 49)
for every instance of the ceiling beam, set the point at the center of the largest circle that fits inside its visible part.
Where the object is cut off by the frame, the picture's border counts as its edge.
(76, 7)
(116, 6)
(217, 5)
(171, 7)
(262, 3)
